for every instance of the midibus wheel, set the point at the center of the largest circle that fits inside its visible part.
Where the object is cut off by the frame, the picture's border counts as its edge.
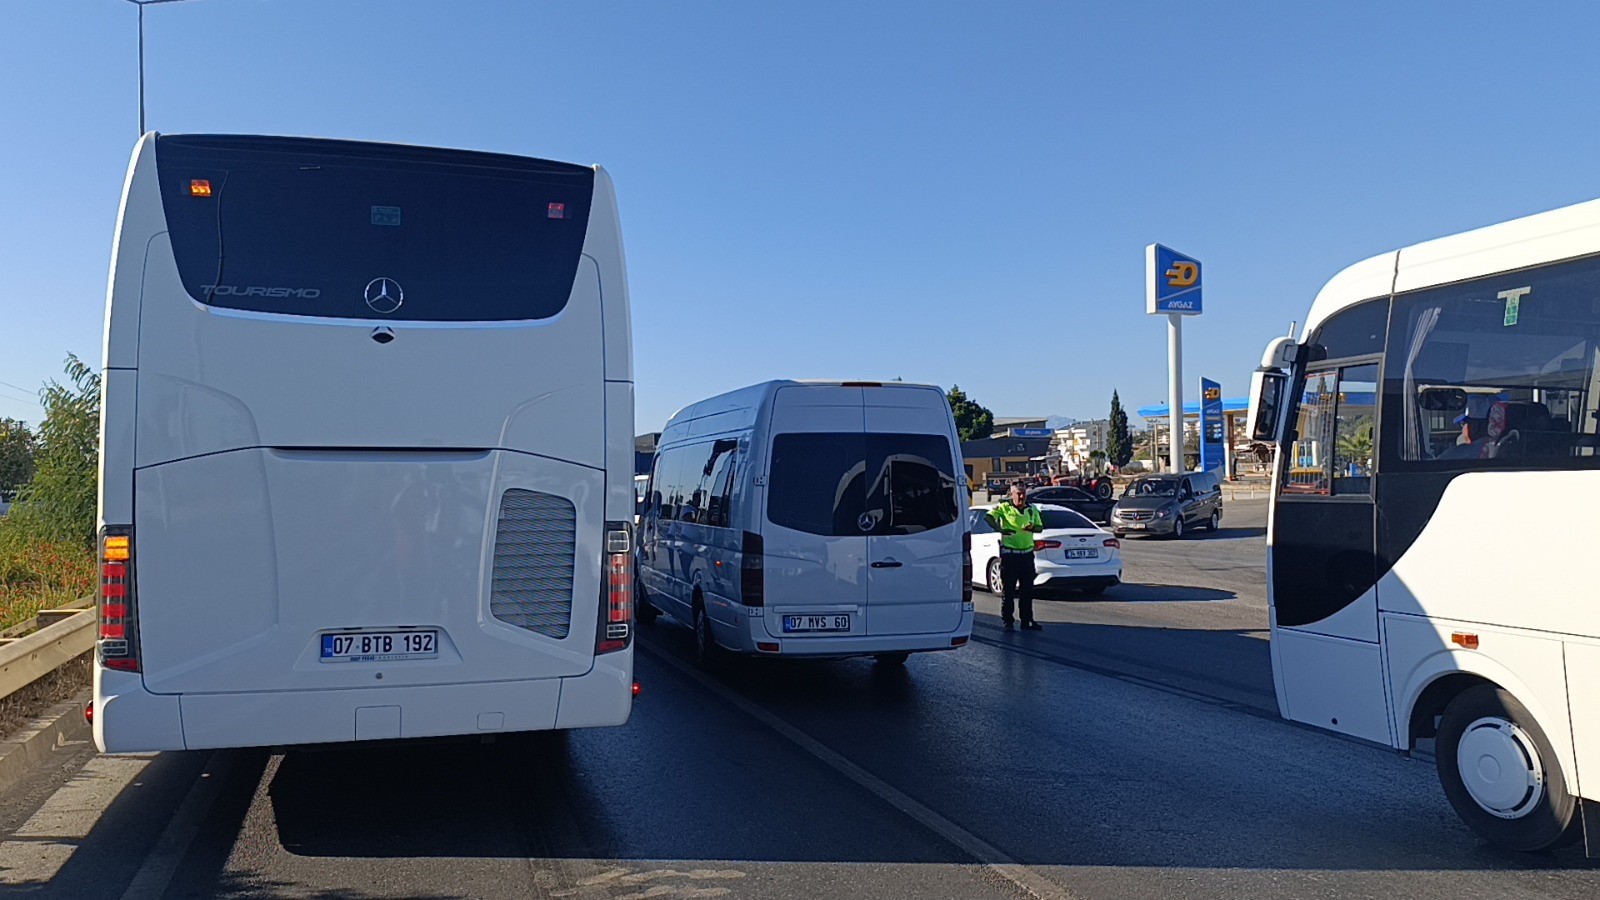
(1501, 774)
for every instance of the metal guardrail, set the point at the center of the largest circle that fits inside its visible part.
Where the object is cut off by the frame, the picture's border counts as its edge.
(26, 659)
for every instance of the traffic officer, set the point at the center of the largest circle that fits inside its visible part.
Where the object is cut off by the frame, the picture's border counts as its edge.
(1017, 522)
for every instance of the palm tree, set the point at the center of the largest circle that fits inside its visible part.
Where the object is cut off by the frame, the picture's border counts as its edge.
(1353, 449)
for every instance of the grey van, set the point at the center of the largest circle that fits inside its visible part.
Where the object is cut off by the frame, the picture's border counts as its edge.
(1169, 504)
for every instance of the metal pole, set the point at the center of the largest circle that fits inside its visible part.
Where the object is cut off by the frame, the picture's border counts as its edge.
(141, 69)
(1175, 390)
(1227, 445)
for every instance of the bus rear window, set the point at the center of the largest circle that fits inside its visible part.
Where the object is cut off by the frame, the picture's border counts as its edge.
(371, 231)
(852, 484)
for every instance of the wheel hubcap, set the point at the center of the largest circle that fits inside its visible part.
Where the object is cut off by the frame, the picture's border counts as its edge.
(995, 585)
(1500, 767)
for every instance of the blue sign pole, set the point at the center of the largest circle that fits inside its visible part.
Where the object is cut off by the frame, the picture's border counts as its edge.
(1212, 441)
(1172, 288)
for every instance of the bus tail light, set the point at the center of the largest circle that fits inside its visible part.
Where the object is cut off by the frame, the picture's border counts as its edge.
(616, 609)
(118, 640)
(966, 570)
(1113, 543)
(752, 574)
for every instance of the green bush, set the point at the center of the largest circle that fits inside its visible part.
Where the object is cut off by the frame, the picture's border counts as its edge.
(58, 504)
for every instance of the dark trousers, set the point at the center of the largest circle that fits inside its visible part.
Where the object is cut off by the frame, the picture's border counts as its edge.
(1016, 573)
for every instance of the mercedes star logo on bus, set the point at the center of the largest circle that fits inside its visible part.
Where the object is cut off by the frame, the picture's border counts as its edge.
(865, 521)
(384, 295)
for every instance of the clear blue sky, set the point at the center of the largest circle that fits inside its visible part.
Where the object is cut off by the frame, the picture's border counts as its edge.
(946, 192)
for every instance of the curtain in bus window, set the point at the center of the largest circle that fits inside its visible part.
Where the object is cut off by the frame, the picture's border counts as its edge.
(1415, 440)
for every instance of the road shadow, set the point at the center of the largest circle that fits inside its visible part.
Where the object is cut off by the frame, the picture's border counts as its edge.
(1140, 592)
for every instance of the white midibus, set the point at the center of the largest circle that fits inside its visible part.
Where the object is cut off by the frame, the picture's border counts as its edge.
(367, 447)
(820, 519)
(1437, 486)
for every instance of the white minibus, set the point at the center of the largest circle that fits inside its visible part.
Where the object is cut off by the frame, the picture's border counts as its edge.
(367, 446)
(813, 519)
(1437, 426)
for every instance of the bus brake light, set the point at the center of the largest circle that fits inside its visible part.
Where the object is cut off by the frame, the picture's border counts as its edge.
(117, 643)
(616, 615)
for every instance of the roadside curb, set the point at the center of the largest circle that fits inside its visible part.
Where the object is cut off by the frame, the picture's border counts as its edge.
(37, 741)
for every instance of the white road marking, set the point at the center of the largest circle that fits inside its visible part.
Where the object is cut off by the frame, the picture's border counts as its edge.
(1030, 881)
(162, 862)
(35, 852)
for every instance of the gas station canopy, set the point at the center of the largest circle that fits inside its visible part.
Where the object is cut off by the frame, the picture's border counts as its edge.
(1191, 410)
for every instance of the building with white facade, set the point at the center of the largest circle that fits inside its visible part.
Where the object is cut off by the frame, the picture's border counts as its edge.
(1076, 443)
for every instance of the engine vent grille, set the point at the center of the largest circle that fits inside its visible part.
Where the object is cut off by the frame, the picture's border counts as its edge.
(534, 543)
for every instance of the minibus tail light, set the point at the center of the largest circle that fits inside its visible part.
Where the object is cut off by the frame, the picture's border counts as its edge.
(752, 574)
(966, 570)
(117, 639)
(616, 607)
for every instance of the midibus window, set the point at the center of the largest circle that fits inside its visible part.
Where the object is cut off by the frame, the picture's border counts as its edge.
(1518, 351)
(1335, 437)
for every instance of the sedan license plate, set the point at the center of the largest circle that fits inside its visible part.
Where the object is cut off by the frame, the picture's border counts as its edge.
(1082, 554)
(793, 624)
(379, 646)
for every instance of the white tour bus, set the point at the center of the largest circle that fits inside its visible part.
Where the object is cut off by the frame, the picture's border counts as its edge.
(820, 519)
(1438, 470)
(367, 447)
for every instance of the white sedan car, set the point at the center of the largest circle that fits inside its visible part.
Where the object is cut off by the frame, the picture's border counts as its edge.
(1072, 552)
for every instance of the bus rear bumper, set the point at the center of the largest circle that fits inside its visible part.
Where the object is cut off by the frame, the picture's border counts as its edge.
(129, 718)
(140, 721)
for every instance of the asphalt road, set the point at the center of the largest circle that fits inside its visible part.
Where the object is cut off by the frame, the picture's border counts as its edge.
(1132, 749)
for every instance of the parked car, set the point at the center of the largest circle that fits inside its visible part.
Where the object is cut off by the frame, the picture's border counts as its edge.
(1072, 552)
(1169, 504)
(1093, 508)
